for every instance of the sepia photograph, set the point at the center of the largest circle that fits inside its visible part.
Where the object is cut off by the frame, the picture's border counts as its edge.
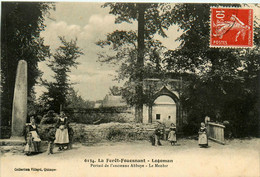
(112, 89)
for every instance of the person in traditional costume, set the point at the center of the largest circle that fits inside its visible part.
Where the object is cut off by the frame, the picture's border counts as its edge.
(62, 136)
(172, 135)
(33, 129)
(203, 138)
(29, 148)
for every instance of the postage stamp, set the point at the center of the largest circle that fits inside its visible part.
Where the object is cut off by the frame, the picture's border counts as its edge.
(231, 27)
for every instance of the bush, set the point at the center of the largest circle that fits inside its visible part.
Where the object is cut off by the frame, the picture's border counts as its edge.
(191, 128)
(49, 118)
(115, 134)
(81, 136)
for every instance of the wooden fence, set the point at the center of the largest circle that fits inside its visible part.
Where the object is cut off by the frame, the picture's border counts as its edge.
(216, 132)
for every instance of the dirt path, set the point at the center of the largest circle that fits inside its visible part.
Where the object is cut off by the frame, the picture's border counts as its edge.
(237, 158)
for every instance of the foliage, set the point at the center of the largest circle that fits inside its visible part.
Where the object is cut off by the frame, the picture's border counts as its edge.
(5, 132)
(73, 102)
(115, 134)
(61, 63)
(158, 16)
(49, 118)
(214, 72)
(115, 91)
(76, 101)
(225, 80)
(21, 26)
(157, 19)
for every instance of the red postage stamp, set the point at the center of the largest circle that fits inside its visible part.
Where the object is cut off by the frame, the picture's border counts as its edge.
(231, 27)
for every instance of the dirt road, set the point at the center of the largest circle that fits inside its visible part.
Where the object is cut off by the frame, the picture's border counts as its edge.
(139, 158)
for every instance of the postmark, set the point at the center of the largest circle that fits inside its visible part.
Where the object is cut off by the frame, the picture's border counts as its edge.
(231, 27)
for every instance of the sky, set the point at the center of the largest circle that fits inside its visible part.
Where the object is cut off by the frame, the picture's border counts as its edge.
(89, 23)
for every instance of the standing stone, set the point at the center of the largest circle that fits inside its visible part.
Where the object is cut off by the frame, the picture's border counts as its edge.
(19, 112)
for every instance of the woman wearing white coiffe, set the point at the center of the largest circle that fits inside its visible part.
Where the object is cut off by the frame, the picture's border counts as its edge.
(203, 138)
(62, 136)
(33, 129)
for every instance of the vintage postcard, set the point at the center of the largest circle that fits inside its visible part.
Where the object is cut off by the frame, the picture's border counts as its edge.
(112, 89)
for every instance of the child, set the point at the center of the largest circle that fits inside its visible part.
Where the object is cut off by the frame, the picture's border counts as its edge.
(203, 139)
(29, 144)
(172, 135)
(50, 138)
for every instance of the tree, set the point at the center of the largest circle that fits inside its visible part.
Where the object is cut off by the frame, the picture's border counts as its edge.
(76, 101)
(140, 62)
(115, 91)
(61, 63)
(137, 53)
(225, 80)
(20, 31)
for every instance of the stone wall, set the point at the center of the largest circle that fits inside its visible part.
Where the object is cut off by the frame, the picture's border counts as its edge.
(107, 132)
(100, 115)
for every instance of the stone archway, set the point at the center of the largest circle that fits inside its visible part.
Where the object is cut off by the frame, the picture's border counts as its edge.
(165, 92)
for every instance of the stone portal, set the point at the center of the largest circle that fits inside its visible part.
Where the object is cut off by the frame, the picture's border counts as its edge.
(167, 111)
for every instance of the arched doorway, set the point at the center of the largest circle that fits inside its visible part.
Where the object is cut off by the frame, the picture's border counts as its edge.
(164, 110)
(166, 103)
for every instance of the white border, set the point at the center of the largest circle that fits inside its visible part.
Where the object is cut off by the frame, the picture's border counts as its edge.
(159, 1)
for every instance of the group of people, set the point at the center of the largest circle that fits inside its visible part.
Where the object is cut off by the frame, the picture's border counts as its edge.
(61, 135)
(159, 132)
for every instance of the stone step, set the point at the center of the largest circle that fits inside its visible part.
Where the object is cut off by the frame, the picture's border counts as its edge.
(13, 149)
(12, 142)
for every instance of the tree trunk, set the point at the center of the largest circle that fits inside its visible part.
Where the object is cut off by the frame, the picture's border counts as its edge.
(140, 64)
